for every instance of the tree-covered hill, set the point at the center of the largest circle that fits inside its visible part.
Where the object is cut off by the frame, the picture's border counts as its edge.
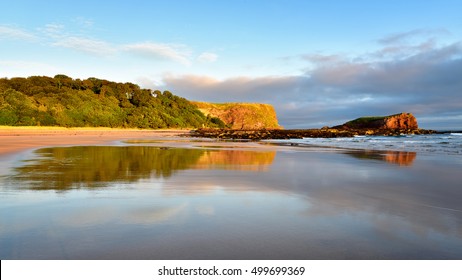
(63, 101)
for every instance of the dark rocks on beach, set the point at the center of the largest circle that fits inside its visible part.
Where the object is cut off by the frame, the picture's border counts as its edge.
(301, 133)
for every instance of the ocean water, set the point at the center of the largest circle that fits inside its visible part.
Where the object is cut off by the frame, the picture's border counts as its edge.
(149, 200)
(449, 143)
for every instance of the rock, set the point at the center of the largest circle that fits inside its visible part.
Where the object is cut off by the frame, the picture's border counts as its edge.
(242, 116)
(402, 121)
(393, 125)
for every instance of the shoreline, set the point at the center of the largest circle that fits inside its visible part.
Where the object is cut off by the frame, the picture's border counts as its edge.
(16, 139)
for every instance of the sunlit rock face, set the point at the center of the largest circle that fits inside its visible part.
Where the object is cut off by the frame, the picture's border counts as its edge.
(242, 115)
(403, 121)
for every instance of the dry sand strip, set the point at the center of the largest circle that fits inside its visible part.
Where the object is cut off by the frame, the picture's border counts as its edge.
(15, 139)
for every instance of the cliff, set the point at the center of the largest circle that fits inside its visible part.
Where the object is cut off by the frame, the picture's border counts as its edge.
(241, 115)
(402, 121)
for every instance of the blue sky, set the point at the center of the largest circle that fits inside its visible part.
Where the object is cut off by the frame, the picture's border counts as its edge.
(318, 62)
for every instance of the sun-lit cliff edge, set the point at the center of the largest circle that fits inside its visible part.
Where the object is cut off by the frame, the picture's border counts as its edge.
(241, 115)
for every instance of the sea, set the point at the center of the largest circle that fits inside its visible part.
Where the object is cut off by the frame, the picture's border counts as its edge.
(449, 143)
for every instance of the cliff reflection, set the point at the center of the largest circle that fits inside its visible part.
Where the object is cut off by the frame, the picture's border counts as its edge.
(235, 160)
(400, 158)
(63, 168)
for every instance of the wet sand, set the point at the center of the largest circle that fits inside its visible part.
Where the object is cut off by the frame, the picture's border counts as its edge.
(87, 195)
(16, 139)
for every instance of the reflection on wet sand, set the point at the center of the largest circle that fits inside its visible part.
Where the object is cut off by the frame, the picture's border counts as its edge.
(400, 158)
(63, 168)
(211, 204)
(235, 160)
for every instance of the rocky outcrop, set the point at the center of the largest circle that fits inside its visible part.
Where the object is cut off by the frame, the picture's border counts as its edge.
(394, 125)
(241, 115)
(298, 133)
(402, 121)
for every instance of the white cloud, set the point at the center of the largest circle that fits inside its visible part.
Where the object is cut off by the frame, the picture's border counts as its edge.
(148, 82)
(207, 57)
(57, 35)
(84, 22)
(86, 45)
(270, 89)
(406, 37)
(15, 33)
(53, 30)
(160, 51)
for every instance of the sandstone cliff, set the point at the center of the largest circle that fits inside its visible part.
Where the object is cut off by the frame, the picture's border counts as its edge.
(242, 115)
(402, 121)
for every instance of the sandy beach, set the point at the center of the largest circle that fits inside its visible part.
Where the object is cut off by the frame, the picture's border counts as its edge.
(15, 139)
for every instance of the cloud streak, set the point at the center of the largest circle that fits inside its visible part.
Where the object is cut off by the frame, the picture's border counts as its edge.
(404, 37)
(86, 45)
(15, 33)
(160, 51)
(207, 57)
(56, 35)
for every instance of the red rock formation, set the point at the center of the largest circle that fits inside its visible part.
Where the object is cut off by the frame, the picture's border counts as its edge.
(402, 121)
(242, 115)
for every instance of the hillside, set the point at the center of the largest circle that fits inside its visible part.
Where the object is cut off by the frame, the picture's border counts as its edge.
(67, 102)
(241, 115)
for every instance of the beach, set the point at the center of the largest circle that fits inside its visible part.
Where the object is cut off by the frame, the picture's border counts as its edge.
(141, 194)
(14, 139)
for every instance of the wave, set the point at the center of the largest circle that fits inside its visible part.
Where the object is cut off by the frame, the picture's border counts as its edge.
(436, 143)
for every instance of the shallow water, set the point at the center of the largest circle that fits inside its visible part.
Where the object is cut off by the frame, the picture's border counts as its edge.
(446, 144)
(137, 201)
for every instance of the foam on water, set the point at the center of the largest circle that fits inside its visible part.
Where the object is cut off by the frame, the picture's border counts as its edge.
(434, 143)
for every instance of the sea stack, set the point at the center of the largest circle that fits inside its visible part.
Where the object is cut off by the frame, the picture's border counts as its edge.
(402, 121)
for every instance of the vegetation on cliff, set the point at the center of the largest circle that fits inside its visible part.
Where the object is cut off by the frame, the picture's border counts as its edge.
(63, 101)
(241, 115)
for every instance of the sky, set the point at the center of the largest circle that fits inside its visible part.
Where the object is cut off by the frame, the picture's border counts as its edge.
(317, 62)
